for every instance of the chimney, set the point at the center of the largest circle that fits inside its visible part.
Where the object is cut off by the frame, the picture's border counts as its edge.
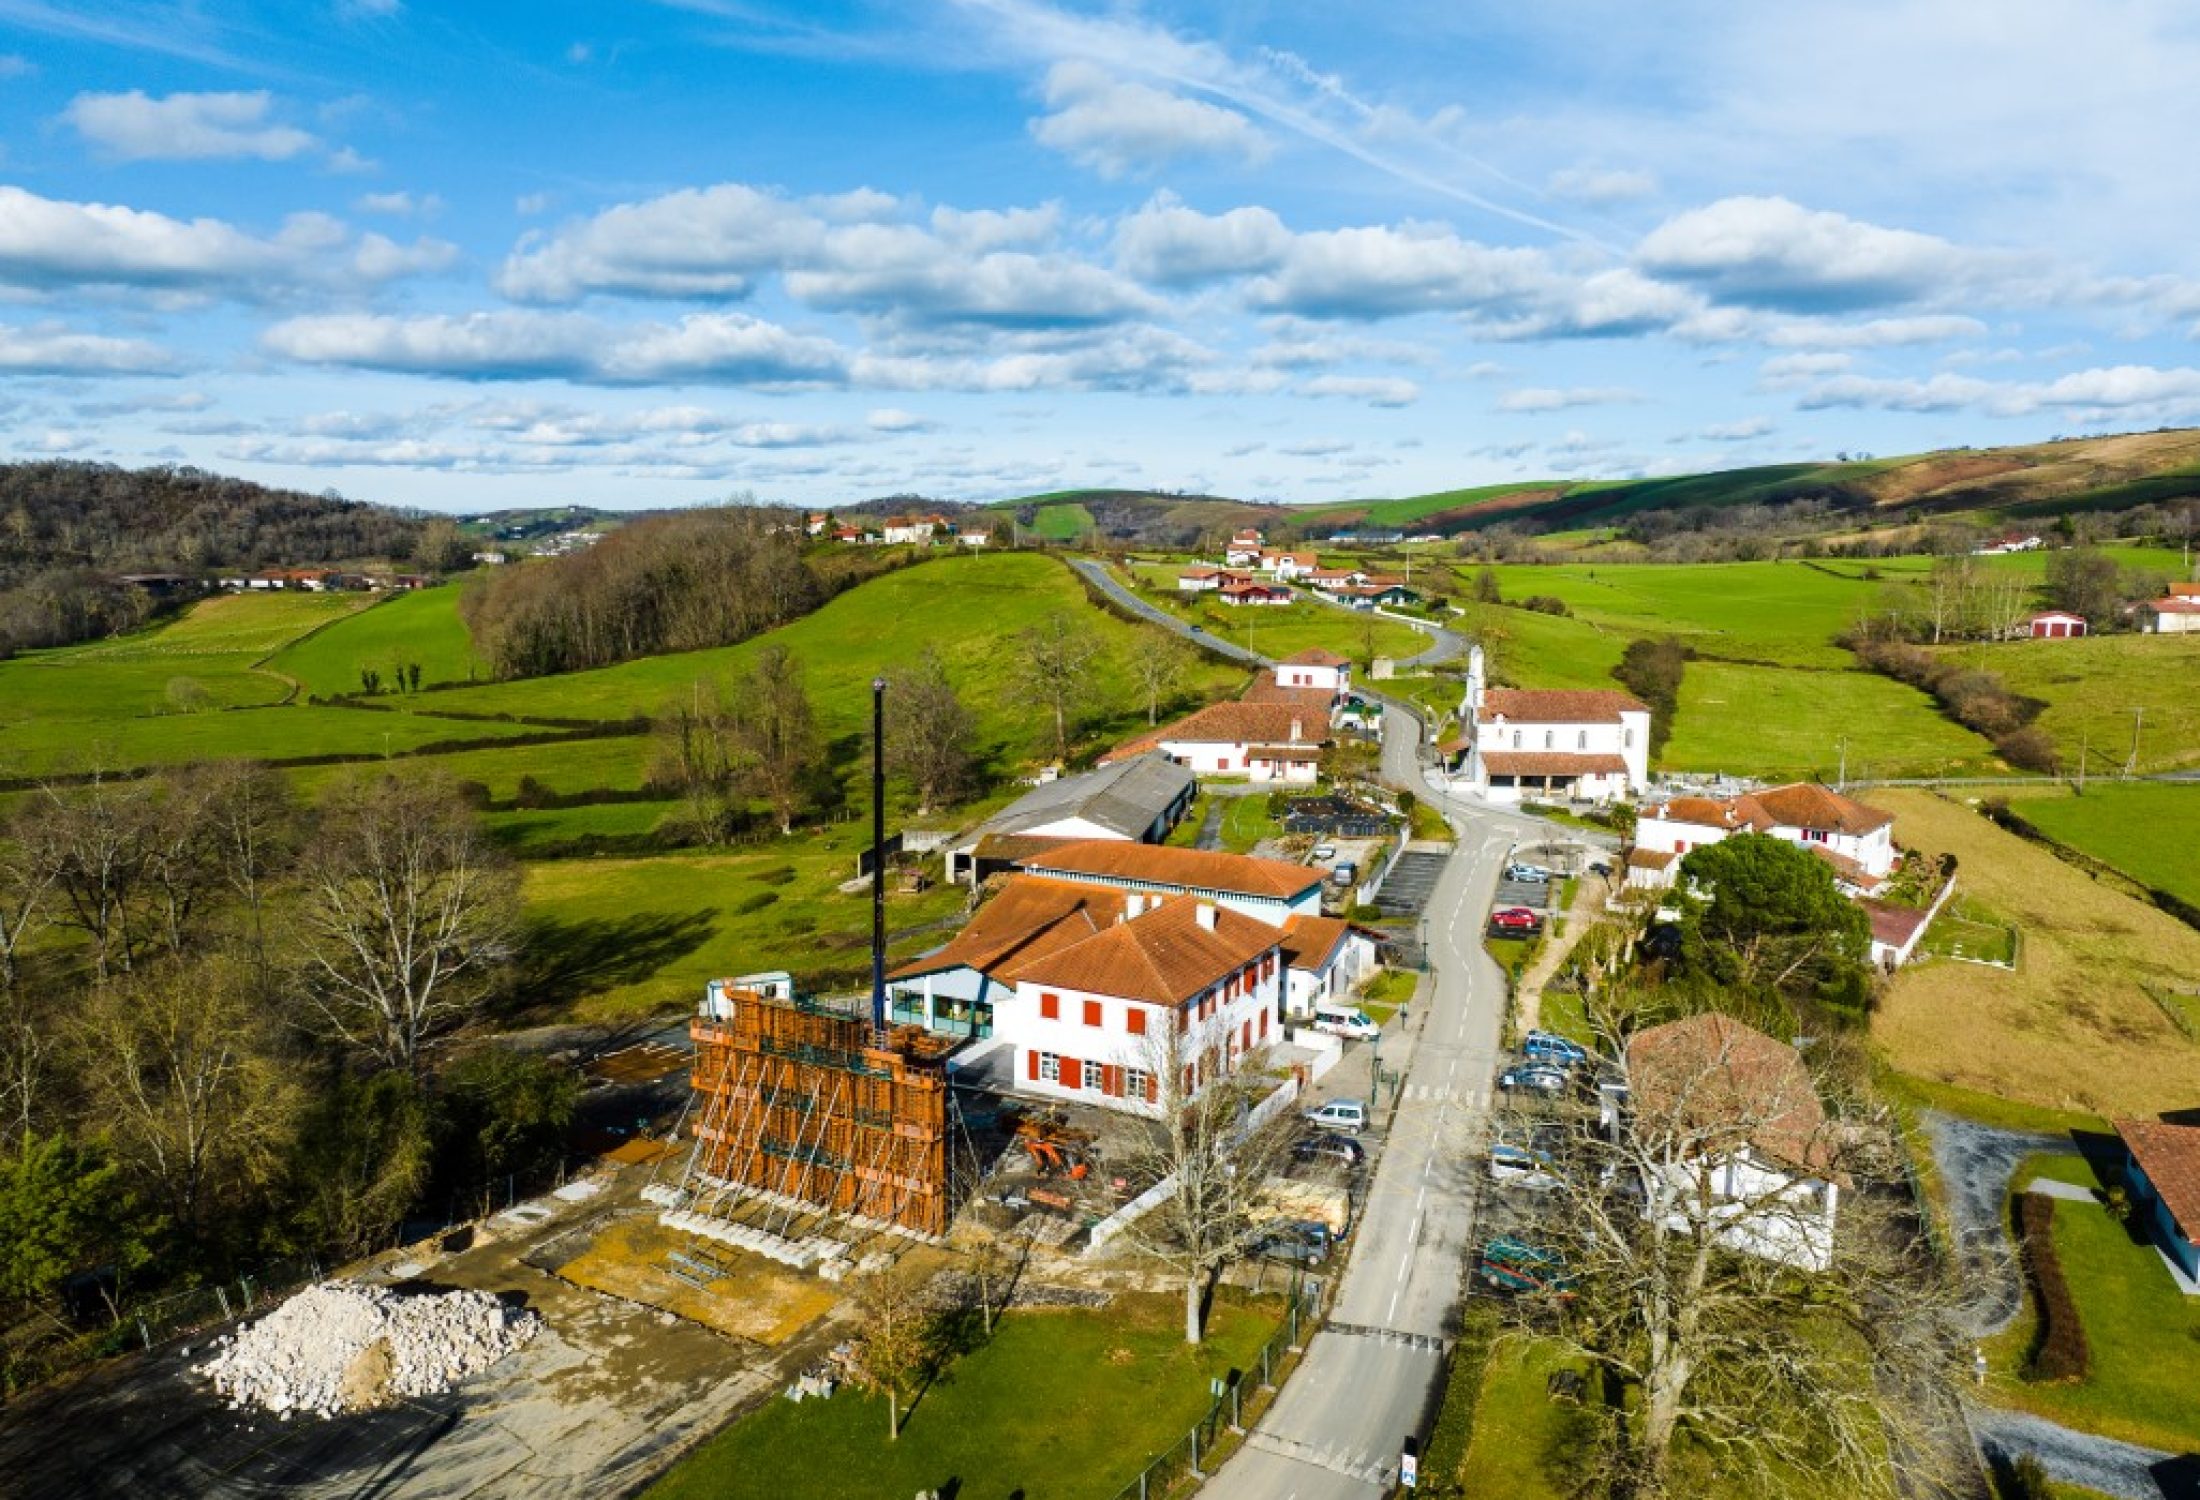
(1205, 915)
(1133, 904)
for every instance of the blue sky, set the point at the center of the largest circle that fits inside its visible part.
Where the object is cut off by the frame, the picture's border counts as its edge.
(646, 254)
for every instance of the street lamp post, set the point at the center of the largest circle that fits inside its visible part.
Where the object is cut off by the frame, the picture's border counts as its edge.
(878, 853)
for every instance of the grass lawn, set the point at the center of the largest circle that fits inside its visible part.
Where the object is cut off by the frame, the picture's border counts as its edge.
(1386, 992)
(574, 766)
(526, 833)
(2144, 1334)
(1064, 1405)
(1787, 725)
(1246, 821)
(1968, 928)
(2072, 1029)
(1986, 1109)
(2091, 686)
(1067, 522)
(279, 733)
(1519, 1432)
(1531, 650)
(2148, 830)
(969, 610)
(421, 626)
(619, 937)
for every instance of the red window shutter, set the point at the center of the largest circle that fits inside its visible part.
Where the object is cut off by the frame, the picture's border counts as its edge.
(1264, 1023)
(1072, 1077)
(1031, 1063)
(1153, 1088)
(1092, 1013)
(1245, 1035)
(1134, 1020)
(1050, 1007)
(1111, 1081)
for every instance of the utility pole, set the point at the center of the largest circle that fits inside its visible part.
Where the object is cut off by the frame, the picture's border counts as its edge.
(878, 854)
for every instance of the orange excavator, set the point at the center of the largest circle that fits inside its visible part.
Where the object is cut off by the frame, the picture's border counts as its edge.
(1054, 1148)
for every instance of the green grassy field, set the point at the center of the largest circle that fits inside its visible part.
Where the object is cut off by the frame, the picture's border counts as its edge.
(1787, 725)
(572, 766)
(1061, 523)
(2147, 830)
(420, 627)
(527, 833)
(1068, 1405)
(969, 609)
(616, 937)
(1533, 650)
(2142, 1331)
(2091, 687)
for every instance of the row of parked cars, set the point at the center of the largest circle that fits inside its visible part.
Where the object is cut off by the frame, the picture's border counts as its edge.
(1517, 921)
(1547, 1067)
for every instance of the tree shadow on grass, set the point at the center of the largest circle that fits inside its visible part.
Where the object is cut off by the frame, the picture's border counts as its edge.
(562, 961)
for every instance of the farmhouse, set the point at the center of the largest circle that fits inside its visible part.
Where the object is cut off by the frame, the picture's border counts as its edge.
(1516, 743)
(1364, 591)
(1858, 841)
(1248, 592)
(2174, 614)
(1201, 579)
(2015, 541)
(1262, 741)
(2162, 1166)
(2055, 625)
(1709, 1093)
(1244, 550)
(974, 538)
(1139, 799)
(914, 530)
(1315, 668)
(1289, 565)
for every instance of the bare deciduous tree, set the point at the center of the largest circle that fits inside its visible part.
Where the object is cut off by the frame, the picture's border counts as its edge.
(253, 823)
(1159, 667)
(930, 732)
(772, 734)
(26, 887)
(1053, 667)
(1201, 1144)
(692, 756)
(894, 1340)
(183, 1072)
(405, 913)
(1731, 1259)
(91, 842)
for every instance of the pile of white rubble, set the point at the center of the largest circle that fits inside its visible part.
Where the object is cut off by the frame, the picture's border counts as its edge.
(340, 1346)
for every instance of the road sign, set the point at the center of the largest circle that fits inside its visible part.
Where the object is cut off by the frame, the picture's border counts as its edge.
(1409, 1464)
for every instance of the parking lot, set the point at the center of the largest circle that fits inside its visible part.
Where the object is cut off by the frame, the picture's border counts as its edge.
(1411, 882)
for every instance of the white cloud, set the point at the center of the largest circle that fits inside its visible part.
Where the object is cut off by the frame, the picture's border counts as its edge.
(1120, 128)
(1772, 252)
(1167, 244)
(185, 127)
(697, 242)
(1375, 390)
(1547, 398)
(48, 244)
(1601, 187)
(1786, 372)
(399, 205)
(48, 349)
(910, 277)
(1939, 393)
(894, 419)
(1875, 333)
(2111, 393)
(1736, 432)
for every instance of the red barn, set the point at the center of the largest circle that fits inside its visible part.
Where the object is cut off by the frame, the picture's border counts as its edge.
(2055, 624)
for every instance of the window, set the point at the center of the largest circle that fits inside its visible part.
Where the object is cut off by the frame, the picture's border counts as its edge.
(1583, 742)
(1134, 1020)
(1050, 1007)
(1138, 1083)
(1050, 1068)
(1549, 736)
(1627, 738)
(1092, 1013)
(1516, 739)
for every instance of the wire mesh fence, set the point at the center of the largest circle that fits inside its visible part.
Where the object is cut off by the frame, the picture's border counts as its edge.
(147, 1325)
(1184, 1465)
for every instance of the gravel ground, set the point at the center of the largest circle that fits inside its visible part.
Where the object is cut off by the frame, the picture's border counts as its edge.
(1975, 1163)
(2113, 1468)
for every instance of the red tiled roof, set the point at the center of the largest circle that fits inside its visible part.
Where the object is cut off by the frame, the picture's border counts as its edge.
(2176, 606)
(1550, 763)
(1539, 706)
(1308, 942)
(1315, 656)
(1893, 925)
(1029, 919)
(1704, 812)
(1286, 755)
(2185, 590)
(1191, 869)
(1313, 700)
(1803, 805)
(1165, 956)
(1238, 723)
(1651, 859)
(1693, 1076)
(2170, 1156)
(1848, 869)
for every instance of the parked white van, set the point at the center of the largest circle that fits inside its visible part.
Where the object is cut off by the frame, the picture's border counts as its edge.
(1345, 1021)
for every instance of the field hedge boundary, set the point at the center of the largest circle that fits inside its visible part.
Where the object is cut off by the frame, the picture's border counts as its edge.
(1997, 811)
(2061, 1352)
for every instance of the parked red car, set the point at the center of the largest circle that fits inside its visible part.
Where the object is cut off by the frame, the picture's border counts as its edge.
(1515, 921)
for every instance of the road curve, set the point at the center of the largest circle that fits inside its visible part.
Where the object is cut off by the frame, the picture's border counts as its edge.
(1098, 574)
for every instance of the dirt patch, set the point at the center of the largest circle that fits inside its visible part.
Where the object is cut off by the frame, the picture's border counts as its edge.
(1914, 481)
(2072, 1028)
(743, 1295)
(366, 1382)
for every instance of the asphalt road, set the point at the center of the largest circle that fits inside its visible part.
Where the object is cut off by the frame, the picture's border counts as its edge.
(1371, 1375)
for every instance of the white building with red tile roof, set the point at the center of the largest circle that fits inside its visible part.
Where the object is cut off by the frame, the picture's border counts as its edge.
(1857, 841)
(1280, 742)
(2175, 614)
(1315, 668)
(1519, 744)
